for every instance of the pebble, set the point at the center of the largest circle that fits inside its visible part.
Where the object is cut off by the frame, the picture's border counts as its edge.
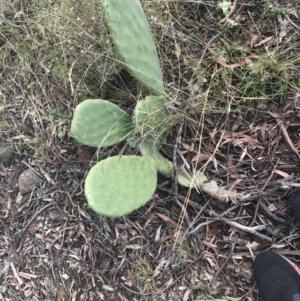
(28, 180)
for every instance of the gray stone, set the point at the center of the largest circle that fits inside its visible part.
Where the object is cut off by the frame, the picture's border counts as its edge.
(28, 180)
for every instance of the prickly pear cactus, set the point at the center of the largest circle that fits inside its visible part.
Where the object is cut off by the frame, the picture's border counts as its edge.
(98, 122)
(197, 180)
(148, 121)
(162, 164)
(149, 113)
(165, 167)
(117, 185)
(132, 37)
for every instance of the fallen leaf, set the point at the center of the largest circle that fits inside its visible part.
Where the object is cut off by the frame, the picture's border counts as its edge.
(187, 294)
(133, 247)
(253, 40)
(157, 236)
(107, 288)
(182, 287)
(158, 268)
(231, 168)
(199, 158)
(167, 219)
(177, 51)
(264, 41)
(281, 173)
(230, 66)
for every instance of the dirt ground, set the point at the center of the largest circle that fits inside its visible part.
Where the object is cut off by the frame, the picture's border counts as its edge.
(242, 131)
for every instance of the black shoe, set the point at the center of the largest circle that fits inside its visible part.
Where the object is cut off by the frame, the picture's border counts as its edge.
(276, 278)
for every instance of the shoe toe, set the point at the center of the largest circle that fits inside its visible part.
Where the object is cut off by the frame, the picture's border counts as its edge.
(276, 279)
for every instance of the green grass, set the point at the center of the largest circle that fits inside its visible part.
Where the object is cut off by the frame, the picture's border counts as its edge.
(145, 278)
(67, 40)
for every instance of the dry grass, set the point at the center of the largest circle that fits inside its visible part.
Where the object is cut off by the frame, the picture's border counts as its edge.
(241, 129)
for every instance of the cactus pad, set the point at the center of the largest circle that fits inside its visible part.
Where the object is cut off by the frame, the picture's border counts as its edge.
(197, 180)
(162, 164)
(149, 113)
(165, 167)
(132, 37)
(117, 185)
(98, 122)
(150, 119)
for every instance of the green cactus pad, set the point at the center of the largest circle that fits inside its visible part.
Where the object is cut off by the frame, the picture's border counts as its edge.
(197, 180)
(117, 185)
(162, 164)
(150, 119)
(98, 122)
(149, 113)
(135, 140)
(165, 167)
(132, 37)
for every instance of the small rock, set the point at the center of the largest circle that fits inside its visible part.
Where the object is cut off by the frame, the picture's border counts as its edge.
(7, 152)
(56, 215)
(28, 180)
